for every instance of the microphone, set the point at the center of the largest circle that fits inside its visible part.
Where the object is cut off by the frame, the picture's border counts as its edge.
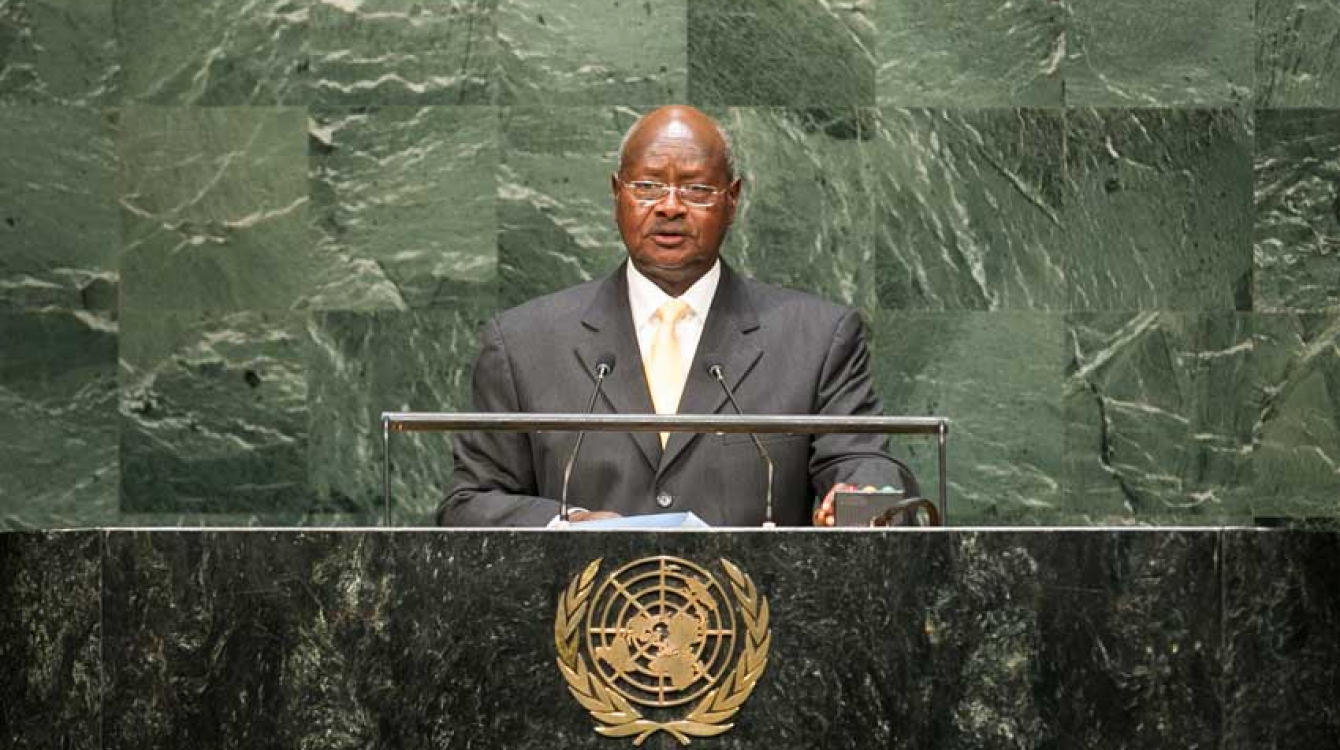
(604, 366)
(712, 363)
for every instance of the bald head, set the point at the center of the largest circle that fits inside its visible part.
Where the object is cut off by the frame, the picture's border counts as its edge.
(682, 121)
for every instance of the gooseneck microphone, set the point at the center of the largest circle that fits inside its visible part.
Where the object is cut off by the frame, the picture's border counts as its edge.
(715, 369)
(604, 366)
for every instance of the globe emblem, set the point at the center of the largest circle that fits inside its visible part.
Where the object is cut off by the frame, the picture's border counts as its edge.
(661, 631)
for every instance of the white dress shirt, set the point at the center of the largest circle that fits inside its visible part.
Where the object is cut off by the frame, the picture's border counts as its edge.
(645, 298)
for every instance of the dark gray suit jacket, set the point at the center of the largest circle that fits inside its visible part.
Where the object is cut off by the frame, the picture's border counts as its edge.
(784, 352)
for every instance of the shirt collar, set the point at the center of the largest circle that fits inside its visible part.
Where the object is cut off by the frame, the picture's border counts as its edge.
(645, 298)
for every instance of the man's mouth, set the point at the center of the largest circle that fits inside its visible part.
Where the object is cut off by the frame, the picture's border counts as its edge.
(669, 237)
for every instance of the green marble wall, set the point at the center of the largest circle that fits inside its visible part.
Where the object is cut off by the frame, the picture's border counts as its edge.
(1102, 237)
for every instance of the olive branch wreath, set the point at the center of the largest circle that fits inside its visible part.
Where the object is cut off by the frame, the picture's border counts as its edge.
(616, 714)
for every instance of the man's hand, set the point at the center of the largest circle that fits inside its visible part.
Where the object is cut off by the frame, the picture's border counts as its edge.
(824, 515)
(591, 515)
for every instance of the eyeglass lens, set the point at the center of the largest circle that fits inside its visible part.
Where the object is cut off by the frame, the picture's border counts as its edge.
(652, 192)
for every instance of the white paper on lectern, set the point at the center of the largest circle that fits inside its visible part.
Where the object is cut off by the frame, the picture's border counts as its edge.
(686, 520)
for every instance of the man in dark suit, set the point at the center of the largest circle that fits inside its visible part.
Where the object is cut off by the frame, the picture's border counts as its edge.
(674, 304)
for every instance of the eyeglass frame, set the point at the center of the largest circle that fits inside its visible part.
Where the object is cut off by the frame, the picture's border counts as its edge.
(678, 190)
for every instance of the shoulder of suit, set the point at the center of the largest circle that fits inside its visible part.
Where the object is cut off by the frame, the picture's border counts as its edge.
(772, 301)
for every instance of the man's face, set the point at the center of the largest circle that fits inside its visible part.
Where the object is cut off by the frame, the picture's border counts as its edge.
(671, 242)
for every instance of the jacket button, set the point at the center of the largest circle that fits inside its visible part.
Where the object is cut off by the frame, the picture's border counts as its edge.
(665, 500)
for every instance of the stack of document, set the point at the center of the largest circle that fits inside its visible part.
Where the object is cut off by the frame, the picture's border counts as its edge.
(686, 520)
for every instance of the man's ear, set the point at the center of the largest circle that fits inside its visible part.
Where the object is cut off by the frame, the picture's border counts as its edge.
(614, 184)
(733, 196)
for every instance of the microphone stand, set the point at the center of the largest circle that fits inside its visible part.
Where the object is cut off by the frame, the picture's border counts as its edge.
(715, 370)
(602, 369)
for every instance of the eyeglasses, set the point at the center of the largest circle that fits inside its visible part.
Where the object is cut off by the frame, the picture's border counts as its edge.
(647, 192)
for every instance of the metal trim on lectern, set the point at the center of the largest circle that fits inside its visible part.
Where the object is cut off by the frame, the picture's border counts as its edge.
(410, 421)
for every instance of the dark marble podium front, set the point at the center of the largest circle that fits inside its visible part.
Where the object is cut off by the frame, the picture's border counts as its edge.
(1101, 638)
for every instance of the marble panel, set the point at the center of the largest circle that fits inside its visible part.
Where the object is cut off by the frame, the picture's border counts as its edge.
(1077, 640)
(555, 201)
(592, 51)
(215, 613)
(383, 52)
(970, 53)
(1202, 418)
(1159, 54)
(1157, 209)
(214, 413)
(1296, 64)
(1281, 657)
(997, 377)
(58, 52)
(1297, 253)
(1159, 411)
(1295, 455)
(446, 640)
(968, 209)
(367, 363)
(404, 206)
(213, 52)
(215, 205)
(60, 227)
(58, 440)
(794, 53)
(804, 217)
(51, 641)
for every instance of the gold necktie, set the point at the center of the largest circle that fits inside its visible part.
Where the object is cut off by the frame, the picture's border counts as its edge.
(665, 365)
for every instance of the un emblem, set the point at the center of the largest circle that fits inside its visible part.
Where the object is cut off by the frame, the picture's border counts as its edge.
(661, 633)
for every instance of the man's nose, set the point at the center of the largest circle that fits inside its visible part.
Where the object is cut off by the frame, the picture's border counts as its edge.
(671, 206)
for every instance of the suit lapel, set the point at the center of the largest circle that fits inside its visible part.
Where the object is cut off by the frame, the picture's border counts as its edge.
(609, 326)
(729, 322)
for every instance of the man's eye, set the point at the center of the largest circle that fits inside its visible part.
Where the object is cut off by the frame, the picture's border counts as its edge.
(648, 186)
(697, 192)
